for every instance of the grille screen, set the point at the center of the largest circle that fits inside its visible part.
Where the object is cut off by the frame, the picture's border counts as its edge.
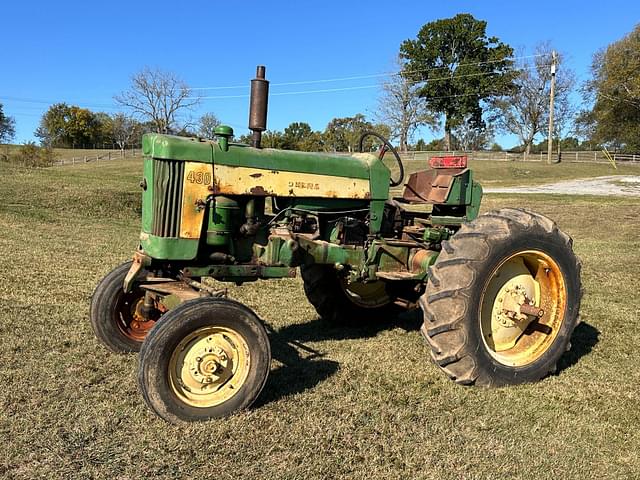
(167, 197)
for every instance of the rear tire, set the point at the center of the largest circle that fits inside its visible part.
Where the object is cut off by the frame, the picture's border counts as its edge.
(204, 359)
(342, 304)
(500, 259)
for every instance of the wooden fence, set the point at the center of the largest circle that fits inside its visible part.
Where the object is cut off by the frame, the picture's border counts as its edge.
(97, 156)
(596, 156)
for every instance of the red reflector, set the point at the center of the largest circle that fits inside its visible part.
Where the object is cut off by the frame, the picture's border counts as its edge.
(454, 161)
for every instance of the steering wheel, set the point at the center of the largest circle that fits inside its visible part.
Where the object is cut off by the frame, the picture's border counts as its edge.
(385, 146)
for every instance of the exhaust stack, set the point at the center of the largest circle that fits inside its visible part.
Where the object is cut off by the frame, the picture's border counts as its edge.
(258, 106)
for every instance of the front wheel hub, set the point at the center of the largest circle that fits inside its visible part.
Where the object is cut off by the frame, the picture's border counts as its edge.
(209, 366)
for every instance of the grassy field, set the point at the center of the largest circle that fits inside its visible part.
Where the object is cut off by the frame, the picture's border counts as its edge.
(64, 156)
(340, 402)
(62, 152)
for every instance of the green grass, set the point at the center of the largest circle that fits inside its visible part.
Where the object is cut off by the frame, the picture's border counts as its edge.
(340, 403)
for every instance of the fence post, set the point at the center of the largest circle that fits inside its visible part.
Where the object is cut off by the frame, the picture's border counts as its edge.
(73, 161)
(85, 159)
(109, 157)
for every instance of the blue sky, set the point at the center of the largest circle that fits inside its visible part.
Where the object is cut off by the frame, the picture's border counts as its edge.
(85, 52)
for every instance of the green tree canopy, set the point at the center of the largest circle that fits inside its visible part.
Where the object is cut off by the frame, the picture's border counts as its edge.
(300, 136)
(458, 67)
(7, 127)
(342, 134)
(63, 125)
(615, 92)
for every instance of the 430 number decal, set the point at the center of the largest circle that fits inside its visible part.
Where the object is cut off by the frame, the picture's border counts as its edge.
(201, 178)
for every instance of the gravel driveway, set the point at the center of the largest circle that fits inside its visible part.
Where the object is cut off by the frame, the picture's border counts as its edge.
(620, 185)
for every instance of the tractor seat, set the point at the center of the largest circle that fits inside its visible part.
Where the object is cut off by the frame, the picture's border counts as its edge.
(429, 186)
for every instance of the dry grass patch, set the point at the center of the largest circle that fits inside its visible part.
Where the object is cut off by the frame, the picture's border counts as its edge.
(340, 403)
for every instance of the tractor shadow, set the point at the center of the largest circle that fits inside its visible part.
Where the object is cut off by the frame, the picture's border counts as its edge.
(584, 338)
(304, 367)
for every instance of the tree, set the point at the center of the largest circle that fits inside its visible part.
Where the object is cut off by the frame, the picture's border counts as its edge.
(52, 124)
(402, 109)
(343, 134)
(270, 139)
(526, 112)
(105, 127)
(614, 91)
(207, 125)
(420, 145)
(300, 136)
(158, 96)
(65, 125)
(125, 130)
(7, 127)
(468, 136)
(458, 68)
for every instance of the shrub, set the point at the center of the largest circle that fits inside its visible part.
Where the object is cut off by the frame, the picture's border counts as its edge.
(31, 155)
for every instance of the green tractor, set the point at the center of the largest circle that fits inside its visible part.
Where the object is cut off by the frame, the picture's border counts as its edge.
(499, 292)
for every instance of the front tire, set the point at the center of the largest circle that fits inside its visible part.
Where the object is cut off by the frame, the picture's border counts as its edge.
(502, 300)
(206, 358)
(113, 313)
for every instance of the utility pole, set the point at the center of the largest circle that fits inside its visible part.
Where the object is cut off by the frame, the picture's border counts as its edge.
(554, 58)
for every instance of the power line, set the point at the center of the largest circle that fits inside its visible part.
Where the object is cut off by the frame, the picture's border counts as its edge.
(301, 92)
(341, 89)
(51, 102)
(361, 77)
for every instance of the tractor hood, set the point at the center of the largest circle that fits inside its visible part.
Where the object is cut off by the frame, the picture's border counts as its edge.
(243, 170)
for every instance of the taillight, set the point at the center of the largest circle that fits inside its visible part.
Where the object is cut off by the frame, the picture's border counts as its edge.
(453, 161)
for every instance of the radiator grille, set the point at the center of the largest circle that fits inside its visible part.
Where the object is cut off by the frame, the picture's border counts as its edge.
(167, 197)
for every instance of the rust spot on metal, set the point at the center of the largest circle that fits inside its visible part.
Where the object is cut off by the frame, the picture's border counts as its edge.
(259, 191)
(418, 260)
(531, 310)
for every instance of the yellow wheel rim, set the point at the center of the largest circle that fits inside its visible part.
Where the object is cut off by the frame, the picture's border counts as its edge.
(366, 295)
(522, 308)
(209, 366)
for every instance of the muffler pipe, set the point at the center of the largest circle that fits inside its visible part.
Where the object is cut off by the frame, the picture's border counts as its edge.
(258, 106)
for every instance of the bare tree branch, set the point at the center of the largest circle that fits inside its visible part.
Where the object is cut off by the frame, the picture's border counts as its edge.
(402, 109)
(526, 112)
(159, 97)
